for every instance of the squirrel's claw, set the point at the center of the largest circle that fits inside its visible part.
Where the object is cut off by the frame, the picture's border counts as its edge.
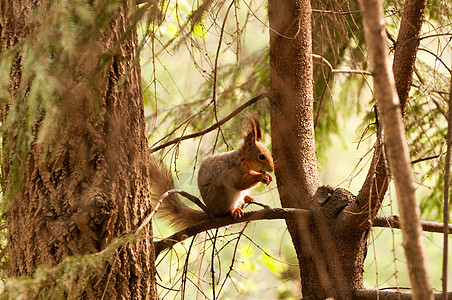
(266, 178)
(237, 213)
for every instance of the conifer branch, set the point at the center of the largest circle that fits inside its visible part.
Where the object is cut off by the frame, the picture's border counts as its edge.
(213, 126)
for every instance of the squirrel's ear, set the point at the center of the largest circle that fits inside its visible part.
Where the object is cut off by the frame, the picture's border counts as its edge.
(258, 129)
(249, 138)
(253, 130)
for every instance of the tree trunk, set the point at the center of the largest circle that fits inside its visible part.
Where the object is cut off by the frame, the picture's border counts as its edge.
(291, 105)
(81, 192)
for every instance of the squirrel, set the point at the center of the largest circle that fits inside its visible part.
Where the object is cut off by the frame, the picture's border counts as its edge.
(223, 180)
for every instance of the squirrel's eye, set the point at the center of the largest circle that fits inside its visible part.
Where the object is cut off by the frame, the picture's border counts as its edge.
(261, 157)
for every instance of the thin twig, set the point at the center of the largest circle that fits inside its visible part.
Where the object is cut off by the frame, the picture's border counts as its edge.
(154, 2)
(331, 71)
(193, 18)
(434, 35)
(351, 71)
(325, 62)
(259, 204)
(327, 81)
(185, 270)
(341, 13)
(424, 159)
(212, 268)
(234, 254)
(215, 73)
(214, 126)
(437, 58)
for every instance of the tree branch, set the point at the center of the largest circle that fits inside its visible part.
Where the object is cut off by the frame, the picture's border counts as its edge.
(214, 126)
(394, 222)
(263, 214)
(403, 67)
(267, 214)
(325, 62)
(373, 190)
(372, 294)
(406, 48)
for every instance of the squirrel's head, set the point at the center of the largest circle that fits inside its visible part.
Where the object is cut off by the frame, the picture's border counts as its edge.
(257, 155)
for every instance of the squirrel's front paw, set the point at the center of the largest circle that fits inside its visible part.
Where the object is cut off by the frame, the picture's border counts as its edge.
(266, 178)
(237, 213)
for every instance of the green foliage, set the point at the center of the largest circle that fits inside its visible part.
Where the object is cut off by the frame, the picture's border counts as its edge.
(339, 40)
(426, 127)
(4, 255)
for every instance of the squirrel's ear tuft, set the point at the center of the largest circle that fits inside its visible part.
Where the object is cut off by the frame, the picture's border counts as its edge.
(252, 131)
(258, 128)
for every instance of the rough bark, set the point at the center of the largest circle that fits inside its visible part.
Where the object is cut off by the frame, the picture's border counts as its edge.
(292, 101)
(370, 197)
(92, 185)
(291, 116)
(397, 149)
(406, 48)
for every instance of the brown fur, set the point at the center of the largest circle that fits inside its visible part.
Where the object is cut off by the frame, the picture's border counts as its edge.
(172, 209)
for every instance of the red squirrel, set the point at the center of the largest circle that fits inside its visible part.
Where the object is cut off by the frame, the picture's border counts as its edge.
(223, 180)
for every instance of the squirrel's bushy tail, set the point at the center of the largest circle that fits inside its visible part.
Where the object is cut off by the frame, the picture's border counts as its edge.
(172, 209)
